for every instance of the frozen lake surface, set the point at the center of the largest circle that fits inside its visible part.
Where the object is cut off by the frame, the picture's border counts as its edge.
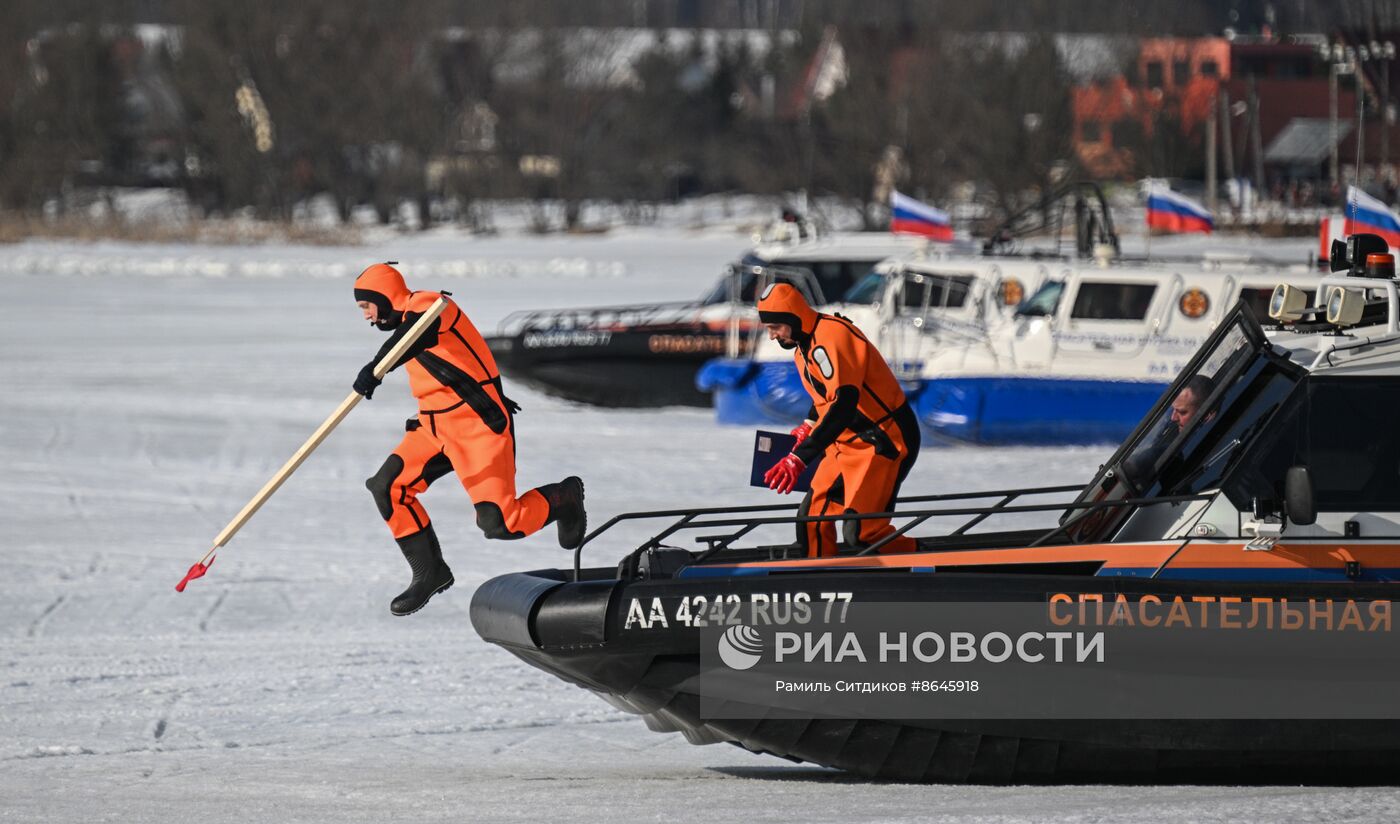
(147, 392)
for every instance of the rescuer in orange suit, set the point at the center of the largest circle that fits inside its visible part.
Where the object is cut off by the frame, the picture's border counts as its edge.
(859, 419)
(465, 423)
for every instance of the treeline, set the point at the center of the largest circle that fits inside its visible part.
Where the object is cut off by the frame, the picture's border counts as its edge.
(261, 105)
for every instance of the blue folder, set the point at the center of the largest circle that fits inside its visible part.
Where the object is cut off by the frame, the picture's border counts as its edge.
(771, 447)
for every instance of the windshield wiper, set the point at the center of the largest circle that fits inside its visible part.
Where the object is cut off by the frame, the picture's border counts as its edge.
(1229, 450)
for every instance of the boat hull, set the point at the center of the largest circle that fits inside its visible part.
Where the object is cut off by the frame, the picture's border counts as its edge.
(576, 631)
(621, 368)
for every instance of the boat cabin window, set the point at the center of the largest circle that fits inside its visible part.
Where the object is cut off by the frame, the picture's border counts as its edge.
(724, 291)
(868, 290)
(1194, 404)
(1113, 301)
(935, 291)
(1044, 301)
(835, 277)
(1212, 415)
(1343, 430)
(1203, 427)
(747, 279)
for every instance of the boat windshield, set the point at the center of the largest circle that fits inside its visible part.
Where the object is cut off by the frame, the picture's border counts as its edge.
(868, 290)
(741, 284)
(1044, 301)
(1203, 425)
(922, 290)
(733, 286)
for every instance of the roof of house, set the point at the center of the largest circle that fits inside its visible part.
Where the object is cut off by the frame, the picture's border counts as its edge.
(1305, 140)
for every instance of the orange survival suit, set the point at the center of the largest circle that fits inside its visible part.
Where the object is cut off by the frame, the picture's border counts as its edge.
(859, 419)
(465, 423)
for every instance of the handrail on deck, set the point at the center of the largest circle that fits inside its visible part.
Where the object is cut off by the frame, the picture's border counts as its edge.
(748, 518)
(592, 315)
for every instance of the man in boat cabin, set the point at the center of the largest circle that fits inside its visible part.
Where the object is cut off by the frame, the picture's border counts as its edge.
(1184, 409)
(465, 424)
(859, 422)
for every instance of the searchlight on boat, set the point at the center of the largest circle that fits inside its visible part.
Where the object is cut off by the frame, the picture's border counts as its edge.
(1287, 303)
(1344, 306)
(1344, 302)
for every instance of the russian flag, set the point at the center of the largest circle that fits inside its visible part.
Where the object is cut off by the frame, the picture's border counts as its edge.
(910, 217)
(1170, 211)
(1367, 214)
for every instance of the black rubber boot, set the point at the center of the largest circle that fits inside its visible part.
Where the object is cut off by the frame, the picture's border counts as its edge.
(566, 508)
(430, 574)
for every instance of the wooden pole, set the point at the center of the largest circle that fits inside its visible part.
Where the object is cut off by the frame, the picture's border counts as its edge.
(317, 437)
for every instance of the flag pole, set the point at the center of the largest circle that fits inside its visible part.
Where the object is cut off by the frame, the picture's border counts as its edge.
(1360, 126)
(1147, 222)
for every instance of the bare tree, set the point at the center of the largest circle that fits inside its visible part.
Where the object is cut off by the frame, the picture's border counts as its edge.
(564, 121)
(318, 96)
(1012, 118)
(63, 121)
(844, 137)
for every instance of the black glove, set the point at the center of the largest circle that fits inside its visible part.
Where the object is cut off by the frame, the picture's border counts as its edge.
(366, 382)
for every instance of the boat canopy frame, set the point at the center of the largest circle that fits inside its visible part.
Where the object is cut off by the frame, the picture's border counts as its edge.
(594, 318)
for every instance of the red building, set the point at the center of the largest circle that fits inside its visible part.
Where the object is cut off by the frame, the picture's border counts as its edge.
(1174, 83)
(1170, 78)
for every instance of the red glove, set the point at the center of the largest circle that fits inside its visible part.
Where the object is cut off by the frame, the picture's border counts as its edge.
(783, 476)
(802, 432)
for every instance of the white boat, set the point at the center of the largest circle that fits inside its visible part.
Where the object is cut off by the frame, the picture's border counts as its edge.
(1022, 351)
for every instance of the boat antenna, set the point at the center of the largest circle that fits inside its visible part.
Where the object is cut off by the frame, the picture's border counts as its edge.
(1360, 145)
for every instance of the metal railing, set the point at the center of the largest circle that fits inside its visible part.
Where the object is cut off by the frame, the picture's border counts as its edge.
(598, 317)
(742, 520)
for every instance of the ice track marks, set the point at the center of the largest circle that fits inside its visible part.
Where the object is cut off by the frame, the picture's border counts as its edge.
(38, 623)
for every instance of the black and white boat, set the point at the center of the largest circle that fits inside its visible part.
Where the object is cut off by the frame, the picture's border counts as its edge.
(647, 355)
(1278, 499)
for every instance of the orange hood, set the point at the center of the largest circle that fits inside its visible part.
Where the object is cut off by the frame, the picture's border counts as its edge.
(382, 285)
(781, 303)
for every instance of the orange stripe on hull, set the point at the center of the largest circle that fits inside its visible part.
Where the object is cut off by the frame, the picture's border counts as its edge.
(1129, 555)
(1195, 555)
(1319, 555)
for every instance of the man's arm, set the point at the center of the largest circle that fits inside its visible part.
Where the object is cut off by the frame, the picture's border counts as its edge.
(838, 417)
(366, 382)
(428, 339)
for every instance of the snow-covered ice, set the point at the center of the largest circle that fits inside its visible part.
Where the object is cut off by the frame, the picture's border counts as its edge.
(146, 392)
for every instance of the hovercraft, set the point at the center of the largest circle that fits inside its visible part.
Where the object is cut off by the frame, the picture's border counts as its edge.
(1281, 490)
(1021, 346)
(647, 355)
